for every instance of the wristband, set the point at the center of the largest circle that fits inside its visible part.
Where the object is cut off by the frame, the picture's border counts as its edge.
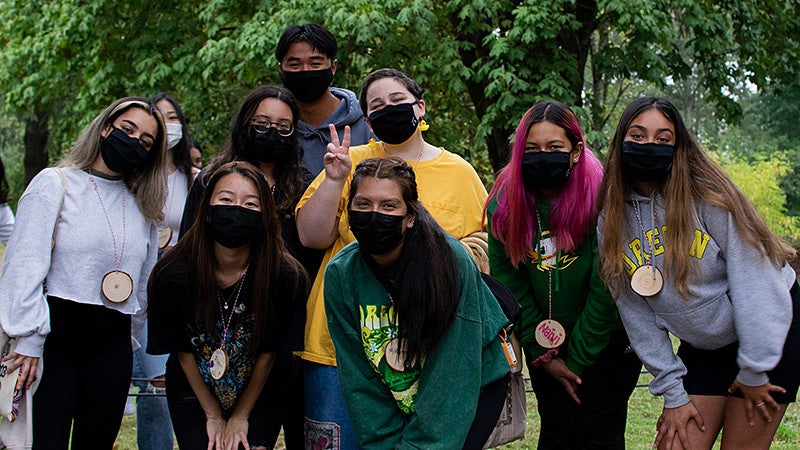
(545, 358)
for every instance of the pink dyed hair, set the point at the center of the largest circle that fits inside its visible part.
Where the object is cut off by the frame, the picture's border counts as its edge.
(571, 213)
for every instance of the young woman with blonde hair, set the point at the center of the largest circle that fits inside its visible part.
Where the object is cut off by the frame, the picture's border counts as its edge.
(87, 231)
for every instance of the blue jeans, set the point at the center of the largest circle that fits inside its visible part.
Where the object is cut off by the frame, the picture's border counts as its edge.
(153, 424)
(327, 423)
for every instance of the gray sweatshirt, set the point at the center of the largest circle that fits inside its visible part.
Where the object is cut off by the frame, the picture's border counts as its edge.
(83, 252)
(735, 294)
(315, 140)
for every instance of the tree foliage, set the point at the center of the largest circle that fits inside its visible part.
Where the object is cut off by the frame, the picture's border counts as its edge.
(482, 62)
(759, 180)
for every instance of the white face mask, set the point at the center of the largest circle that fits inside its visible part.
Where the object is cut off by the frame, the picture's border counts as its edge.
(174, 134)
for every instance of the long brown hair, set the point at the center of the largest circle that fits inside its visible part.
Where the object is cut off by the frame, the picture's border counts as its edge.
(267, 256)
(694, 178)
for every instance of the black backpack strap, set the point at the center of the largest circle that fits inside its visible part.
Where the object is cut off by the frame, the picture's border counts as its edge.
(505, 298)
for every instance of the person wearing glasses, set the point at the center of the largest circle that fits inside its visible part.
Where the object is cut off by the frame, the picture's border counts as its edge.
(264, 133)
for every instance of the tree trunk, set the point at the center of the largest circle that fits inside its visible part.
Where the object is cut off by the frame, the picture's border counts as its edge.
(576, 42)
(496, 141)
(599, 83)
(36, 135)
(579, 43)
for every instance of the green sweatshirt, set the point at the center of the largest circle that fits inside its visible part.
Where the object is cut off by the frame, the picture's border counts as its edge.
(432, 408)
(581, 302)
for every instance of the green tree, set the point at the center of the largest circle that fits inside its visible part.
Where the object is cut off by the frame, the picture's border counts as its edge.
(483, 62)
(758, 179)
(775, 114)
(12, 153)
(63, 61)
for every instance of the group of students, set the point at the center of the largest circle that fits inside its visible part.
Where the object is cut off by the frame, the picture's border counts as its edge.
(344, 309)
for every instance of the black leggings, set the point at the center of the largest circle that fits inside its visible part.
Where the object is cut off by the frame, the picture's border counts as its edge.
(490, 405)
(284, 402)
(599, 421)
(189, 419)
(87, 365)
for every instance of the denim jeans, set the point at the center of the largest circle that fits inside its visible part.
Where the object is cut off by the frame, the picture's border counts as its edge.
(327, 422)
(153, 424)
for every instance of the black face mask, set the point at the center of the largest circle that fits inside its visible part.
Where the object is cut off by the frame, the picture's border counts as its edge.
(545, 170)
(234, 226)
(377, 233)
(265, 144)
(647, 162)
(308, 86)
(121, 153)
(394, 124)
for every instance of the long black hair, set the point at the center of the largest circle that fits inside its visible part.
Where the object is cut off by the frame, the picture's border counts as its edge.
(288, 171)
(427, 289)
(3, 184)
(267, 256)
(181, 156)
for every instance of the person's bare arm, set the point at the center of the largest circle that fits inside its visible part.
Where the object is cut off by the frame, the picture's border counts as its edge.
(317, 221)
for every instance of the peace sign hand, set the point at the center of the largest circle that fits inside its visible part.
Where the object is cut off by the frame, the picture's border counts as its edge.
(337, 160)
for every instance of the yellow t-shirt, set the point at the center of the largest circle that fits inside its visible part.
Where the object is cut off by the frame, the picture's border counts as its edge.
(450, 190)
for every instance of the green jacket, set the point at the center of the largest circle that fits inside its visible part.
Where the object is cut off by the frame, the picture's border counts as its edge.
(431, 408)
(581, 302)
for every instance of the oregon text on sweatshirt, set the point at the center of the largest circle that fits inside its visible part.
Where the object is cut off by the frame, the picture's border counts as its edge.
(735, 294)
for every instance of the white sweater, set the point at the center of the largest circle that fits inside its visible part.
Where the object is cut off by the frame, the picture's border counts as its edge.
(83, 252)
(6, 222)
(178, 190)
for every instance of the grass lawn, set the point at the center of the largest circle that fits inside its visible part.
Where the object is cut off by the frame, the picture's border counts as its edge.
(643, 411)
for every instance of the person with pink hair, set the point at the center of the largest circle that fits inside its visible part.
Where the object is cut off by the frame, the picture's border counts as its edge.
(542, 213)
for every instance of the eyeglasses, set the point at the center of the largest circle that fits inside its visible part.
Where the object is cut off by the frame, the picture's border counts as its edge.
(262, 124)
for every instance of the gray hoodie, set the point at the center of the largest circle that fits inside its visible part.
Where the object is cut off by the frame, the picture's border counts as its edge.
(735, 294)
(315, 140)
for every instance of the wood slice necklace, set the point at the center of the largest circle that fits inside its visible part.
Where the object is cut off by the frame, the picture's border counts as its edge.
(646, 280)
(117, 285)
(395, 357)
(165, 235)
(218, 363)
(549, 333)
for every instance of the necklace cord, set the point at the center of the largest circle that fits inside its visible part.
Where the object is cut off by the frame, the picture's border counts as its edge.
(117, 260)
(227, 324)
(651, 256)
(541, 264)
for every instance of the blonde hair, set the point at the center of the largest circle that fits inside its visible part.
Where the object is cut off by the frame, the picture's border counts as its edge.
(694, 178)
(148, 183)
